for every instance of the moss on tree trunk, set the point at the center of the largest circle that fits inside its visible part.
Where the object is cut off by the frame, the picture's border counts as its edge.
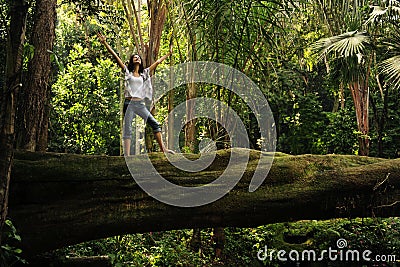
(62, 199)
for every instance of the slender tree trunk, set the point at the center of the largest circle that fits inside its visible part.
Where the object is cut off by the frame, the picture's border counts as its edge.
(190, 127)
(195, 240)
(191, 93)
(121, 105)
(33, 114)
(128, 13)
(15, 44)
(360, 96)
(219, 241)
(171, 120)
(341, 96)
(139, 29)
(157, 13)
(380, 117)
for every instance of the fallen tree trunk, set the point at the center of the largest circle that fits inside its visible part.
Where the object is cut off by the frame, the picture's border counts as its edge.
(63, 199)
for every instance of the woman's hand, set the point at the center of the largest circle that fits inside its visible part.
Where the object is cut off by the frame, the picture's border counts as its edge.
(101, 37)
(102, 40)
(161, 59)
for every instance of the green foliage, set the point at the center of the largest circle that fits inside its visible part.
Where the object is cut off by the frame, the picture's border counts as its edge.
(85, 107)
(391, 131)
(306, 126)
(149, 249)
(377, 235)
(10, 254)
(340, 134)
(268, 41)
(172, 248)
(381, 236)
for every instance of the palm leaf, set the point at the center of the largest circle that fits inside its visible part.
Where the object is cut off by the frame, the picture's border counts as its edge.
(376, 14)
(391, 68)
(391, 12)
(345, 45)
(396, 9)
(339, 15)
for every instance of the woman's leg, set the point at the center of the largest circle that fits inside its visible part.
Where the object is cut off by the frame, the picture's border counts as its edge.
(143, 112)
(129, 114)
(127, 147)
(160, 142)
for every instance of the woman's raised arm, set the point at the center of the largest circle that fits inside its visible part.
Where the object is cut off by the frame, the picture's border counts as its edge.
(102, 39)
(161, 59)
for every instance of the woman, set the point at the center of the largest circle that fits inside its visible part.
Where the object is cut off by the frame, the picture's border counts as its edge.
(137, 87)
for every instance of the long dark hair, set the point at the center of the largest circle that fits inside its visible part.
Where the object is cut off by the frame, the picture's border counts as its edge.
(131, 66)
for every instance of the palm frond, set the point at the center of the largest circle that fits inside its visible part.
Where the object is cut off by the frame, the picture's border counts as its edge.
(391, 12)
(391, 69)
(376, 13)
(396, 9)
(346, 45)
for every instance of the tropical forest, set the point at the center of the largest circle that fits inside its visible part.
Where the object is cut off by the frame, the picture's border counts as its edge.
(200, 133)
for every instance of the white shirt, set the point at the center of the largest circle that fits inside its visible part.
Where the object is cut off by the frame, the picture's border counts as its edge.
(139, 87)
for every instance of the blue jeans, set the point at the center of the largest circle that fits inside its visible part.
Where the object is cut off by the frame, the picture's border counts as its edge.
(133, 108)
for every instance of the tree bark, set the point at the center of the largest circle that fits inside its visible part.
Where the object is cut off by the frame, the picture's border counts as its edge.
(62, 199)
(190, 126)
(191, 94)
(33, 113)
(171, 119)
(219, 241)
(128, 13)
(157, 12)
(380, 116)
(360, 94)
(15, 45)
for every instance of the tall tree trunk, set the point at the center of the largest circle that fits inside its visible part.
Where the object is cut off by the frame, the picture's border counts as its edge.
(33, 113)
(15, 45)
(341, 96)
(190, 127)
(360, 94)
(128, 13)
(219, 241)
(191, 93)
(157, 12)
(171, 119)
(380, 117)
